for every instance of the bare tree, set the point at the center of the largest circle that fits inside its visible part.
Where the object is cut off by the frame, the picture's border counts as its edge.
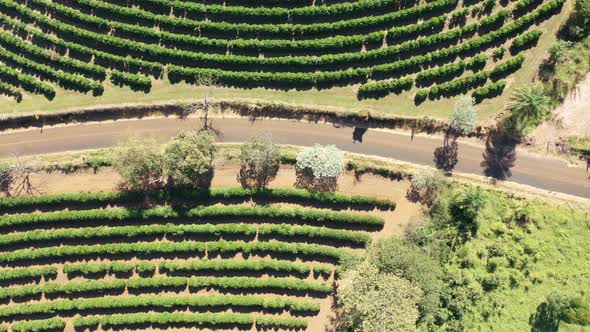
(204, 106)
(15, 179)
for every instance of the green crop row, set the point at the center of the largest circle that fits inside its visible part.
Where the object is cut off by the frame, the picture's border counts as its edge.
(301, 250)
(381, 89)
(274, 31)
(11, 91)
(148, 302)
(51, 324)
(197, 195)
(157, 283)
(134, 81)
(27, 82)
(15, 44)
(10, 275)
(63, 79)
(305, 215)
(83, 53)
(214, 12)
(192, 320)
(489, 91)
(507, 67)
(227, 265)
(282, 231)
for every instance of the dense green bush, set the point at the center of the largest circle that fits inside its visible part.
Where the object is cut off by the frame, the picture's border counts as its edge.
(50, 324)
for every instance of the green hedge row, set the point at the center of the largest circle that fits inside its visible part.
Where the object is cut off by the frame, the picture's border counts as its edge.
(11, 91)
(148, 302)
(301, 250)
(281, 231)
(507, 67)
(198, 195)
(251, 283)
(9, 275)
(134, 81)
(381, 89)
(214, 12)
(50, 324)
(83, 53)
(65, 80)
(273, 31)
(490, 90)
(316, 217)
(192, 320)
(27, 82)
(89, 70)
(227, 265)
(156, 283)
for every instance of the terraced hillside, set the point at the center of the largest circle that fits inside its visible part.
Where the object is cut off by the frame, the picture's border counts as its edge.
(98, 261)
(434, 49)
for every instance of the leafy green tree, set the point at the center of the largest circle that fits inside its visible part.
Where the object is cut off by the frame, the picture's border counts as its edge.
(318, 167)
(558, 308)
(375, 301)
(528, 108)
(188, 160)
(259, 163)
(410, 262)
(464, 119)
(579, 26)
(139, 162)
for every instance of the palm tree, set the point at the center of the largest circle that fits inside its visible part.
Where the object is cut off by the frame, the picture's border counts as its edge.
(529, 106)
(471, 200)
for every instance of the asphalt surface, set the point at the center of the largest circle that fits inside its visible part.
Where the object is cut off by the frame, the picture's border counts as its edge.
(529, 169)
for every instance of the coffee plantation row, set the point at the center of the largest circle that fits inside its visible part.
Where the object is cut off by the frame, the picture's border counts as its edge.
(379, 44)
(208, 259)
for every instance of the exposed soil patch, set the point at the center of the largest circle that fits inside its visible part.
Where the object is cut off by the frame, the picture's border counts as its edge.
(572, 118)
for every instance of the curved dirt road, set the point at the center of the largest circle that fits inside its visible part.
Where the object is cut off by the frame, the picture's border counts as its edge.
(537, 171)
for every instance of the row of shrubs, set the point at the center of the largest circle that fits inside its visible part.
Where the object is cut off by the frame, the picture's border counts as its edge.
(228, 265)
(215, 12)
(51, 324)
(20, 46)
(236, 62)
(300, 250)
(285, 214)
(274, 31)
(80, 52)
(201, 319)
(65, 80)
(11, 91)
(380, 89)
(27, 82)
(157, 283)
(27, 273)
(282, 231)
(149, 302)
(196, 195)
(173, 267)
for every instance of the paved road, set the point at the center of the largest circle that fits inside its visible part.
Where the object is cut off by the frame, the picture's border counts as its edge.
(549, 174)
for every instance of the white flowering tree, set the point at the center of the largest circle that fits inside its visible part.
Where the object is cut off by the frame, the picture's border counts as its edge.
(464, 119)
(318, 167)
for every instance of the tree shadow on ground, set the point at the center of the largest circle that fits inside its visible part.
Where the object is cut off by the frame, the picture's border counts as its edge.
(499, 156)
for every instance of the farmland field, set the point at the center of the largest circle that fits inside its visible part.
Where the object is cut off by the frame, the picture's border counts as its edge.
(384, 56)
(106, 262)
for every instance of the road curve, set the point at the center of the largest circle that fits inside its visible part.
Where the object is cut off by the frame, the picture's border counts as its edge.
(537, 171)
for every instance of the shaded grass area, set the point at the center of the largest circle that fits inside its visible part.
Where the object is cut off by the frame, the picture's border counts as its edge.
(506, 262)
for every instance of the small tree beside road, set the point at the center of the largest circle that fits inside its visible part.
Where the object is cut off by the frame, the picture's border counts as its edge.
(188, 160)
(139, 162)
(259, 163)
